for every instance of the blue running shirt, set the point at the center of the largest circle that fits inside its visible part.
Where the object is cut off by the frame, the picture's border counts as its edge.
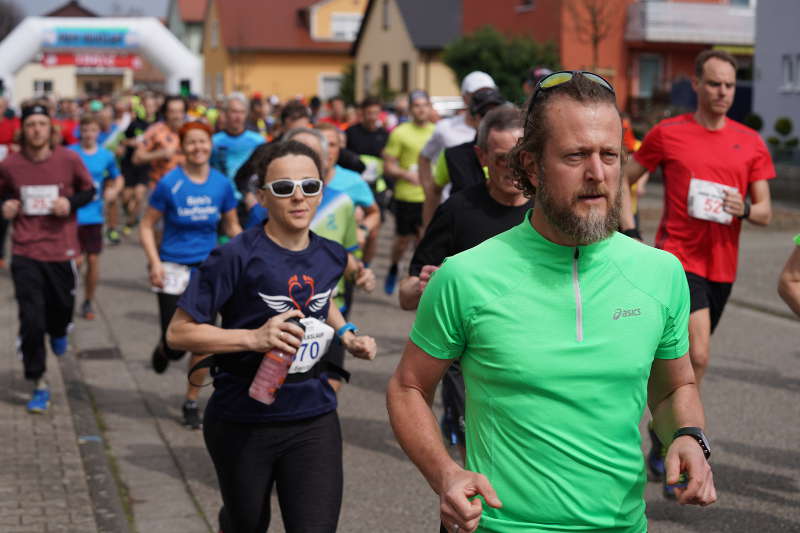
(102, 166)
(191, 214)
(229, 152)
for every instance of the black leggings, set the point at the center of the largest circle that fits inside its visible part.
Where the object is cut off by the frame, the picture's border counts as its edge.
(303, 458)
(167, 304)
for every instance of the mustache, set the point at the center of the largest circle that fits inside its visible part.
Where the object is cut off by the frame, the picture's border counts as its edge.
(597, 190)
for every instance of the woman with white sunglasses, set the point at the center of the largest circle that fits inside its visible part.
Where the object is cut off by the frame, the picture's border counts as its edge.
(256, 282)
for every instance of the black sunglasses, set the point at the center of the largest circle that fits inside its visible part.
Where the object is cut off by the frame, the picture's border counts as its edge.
(561, 77)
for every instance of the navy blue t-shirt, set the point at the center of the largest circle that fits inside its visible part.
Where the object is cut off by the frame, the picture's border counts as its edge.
(191, 213)
(237, 281)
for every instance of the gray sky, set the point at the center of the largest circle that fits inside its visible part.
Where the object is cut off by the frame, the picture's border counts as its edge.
(155, 8)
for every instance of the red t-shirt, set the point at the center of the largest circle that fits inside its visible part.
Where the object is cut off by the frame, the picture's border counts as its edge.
(735, 156)
(44, 237)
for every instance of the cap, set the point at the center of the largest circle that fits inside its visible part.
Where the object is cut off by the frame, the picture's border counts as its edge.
(483, 100)
(417, 93)
(537, 73)
(36, 109)
(95, 105)
(476, 80)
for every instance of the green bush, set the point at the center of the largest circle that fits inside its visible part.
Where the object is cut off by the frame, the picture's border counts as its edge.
(791, 143)
(773, 141)
(754, 121)
(783, 126)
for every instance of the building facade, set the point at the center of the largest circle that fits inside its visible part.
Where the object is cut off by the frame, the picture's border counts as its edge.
(296, 48)
(776, 86)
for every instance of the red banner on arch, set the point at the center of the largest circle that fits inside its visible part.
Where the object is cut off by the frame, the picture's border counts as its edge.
(90, 59)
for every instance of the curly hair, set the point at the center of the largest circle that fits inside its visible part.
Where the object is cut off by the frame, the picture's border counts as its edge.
(537, 129)
(280, 149)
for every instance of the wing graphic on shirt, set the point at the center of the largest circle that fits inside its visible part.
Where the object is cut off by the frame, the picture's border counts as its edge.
(279, 304)
(318, 301)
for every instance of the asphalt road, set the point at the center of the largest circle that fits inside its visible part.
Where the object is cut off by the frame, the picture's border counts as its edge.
(168, 483)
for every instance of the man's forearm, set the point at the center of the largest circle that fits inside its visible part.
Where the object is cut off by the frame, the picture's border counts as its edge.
(80, 199)
(409, 293)
(680, 409)
(418, 433)
(761, 213)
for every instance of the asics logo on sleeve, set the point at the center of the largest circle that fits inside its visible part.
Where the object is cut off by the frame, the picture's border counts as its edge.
(625, 313)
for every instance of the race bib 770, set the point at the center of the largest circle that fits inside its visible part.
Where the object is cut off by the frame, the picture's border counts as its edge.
(316, 343)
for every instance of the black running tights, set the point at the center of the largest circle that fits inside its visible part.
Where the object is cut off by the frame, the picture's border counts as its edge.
(303, 458)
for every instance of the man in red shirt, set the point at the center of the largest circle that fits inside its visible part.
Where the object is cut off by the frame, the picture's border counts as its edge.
(8, 128)
(715, 175)
(42, 187)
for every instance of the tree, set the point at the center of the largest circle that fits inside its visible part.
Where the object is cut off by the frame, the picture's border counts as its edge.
(593, 21)
(10, 16)
(347, 89)
(506, 59)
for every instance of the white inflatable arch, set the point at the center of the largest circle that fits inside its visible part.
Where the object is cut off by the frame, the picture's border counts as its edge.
(144, 35)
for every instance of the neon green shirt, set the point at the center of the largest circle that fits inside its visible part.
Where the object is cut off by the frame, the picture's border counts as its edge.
(556, 345)
(441, 172)
(405, 143)
(335, 220)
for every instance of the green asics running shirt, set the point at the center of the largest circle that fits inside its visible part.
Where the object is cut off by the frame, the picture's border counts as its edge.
(556, 345)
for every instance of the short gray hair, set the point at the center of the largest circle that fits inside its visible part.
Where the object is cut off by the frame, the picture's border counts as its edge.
(323, 141)
(501, 118)
(235, 97)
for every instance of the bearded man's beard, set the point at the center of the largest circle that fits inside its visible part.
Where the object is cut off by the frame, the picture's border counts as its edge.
(587, 229)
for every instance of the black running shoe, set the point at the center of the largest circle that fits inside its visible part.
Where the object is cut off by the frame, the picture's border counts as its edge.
(191, 415)
(159, 360)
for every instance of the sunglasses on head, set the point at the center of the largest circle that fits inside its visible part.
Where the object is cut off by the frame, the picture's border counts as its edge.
(286, 187)
(559, 78)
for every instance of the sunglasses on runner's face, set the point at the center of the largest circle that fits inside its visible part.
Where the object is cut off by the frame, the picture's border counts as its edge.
(559, 78)
(286, 188)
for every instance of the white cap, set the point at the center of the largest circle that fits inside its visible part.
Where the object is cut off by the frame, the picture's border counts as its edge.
(476, 80)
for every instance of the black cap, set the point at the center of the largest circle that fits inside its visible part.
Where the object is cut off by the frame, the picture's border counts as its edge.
(36, 109)
(483, 100)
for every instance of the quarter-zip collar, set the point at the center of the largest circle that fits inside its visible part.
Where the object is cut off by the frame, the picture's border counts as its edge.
(541, 248)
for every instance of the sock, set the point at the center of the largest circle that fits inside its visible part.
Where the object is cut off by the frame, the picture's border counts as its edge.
(41, 383)
(190, 404)
(393, 269)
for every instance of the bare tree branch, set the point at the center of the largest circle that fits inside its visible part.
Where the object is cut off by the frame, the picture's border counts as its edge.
(593, 21)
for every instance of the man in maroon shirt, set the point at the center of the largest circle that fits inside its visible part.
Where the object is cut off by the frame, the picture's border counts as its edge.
(8, 128)
(42, 186)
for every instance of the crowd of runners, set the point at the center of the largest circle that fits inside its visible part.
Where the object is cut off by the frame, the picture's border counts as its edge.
(548, 323)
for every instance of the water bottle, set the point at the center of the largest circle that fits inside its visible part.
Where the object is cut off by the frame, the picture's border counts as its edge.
(272, 371)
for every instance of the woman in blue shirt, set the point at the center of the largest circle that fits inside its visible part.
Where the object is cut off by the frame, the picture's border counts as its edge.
(256, 282)
(192, 199)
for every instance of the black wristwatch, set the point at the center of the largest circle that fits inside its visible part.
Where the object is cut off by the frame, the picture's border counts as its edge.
(746, 213)
(698, 435)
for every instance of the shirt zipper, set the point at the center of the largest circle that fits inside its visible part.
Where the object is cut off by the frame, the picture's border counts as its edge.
(576, 285)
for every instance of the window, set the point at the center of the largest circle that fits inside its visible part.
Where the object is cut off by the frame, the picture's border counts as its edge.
(219, 90)
(525, 5)
(367, 80)
(41, 87)
(404, 77)
(649, 74)
(789, 73)
(740, 3)
(385, 81)
(385, 14)
(344, 26)
(329, 85)
(214, 33)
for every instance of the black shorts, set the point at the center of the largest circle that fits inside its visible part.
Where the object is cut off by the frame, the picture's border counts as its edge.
(136, 176)
(90, 238)
(708, 294)
(408, 217)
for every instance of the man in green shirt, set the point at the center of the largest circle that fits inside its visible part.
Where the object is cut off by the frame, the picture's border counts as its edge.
(564, 329)
(400, 162)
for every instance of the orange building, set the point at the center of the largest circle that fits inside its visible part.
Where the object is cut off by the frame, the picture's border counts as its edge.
(289, 48)
(643, 47)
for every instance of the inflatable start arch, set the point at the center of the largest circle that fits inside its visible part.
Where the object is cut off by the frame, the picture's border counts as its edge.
(145, 35)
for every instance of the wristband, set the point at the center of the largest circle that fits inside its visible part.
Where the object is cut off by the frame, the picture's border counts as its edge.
(797, 239)
(363, 227)
(633, 233)
(746, 213)
(347, 327)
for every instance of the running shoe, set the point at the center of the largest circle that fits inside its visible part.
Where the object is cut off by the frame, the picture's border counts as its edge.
(87, 311)
(159, 360)
(40, 401)
(655, 459)
(127, 230)
(390, 283)
(113, 236)
(191, 415)
(59, 345)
